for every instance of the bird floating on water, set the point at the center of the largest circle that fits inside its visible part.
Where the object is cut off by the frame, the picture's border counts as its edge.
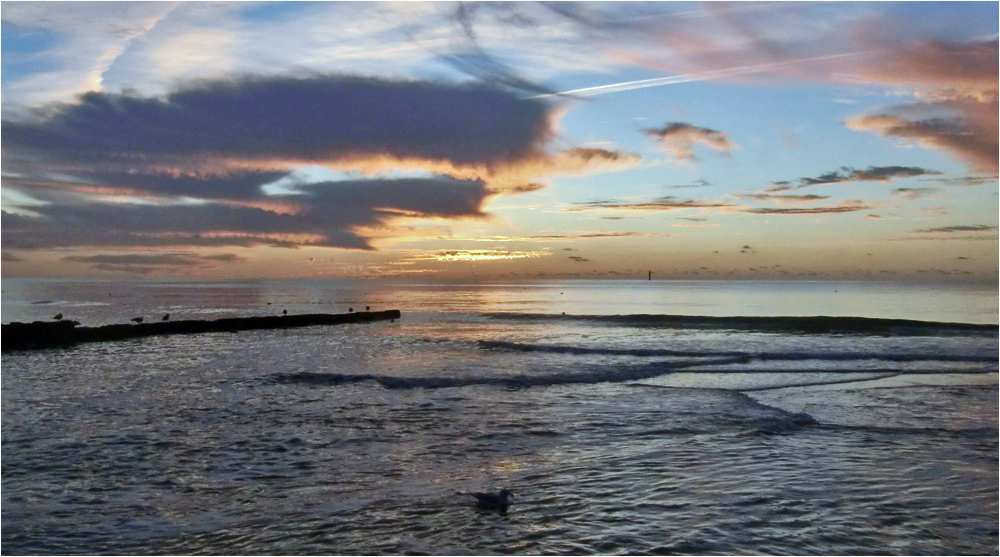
(137, 319)
(493, 501)
(58, 317)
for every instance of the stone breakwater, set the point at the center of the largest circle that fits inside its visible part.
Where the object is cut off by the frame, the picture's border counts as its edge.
(52, 334)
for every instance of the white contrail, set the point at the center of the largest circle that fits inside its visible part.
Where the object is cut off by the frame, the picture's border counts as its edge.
(686, 78)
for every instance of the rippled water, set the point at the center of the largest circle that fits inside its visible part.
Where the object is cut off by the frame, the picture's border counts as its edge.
(615, 438)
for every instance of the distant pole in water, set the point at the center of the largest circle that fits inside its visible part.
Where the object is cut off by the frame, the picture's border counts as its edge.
(651, 275)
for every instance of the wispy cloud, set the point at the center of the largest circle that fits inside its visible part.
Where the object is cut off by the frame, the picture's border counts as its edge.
(846, 207)
(787, 198)
(911, 194)
(679, 138)
(957, 228)
(668, 203)
(560, 237)
(478, 255)
(846, 175)
(144, 264)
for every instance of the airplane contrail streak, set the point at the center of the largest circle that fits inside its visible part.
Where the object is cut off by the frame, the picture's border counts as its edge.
(686, 78)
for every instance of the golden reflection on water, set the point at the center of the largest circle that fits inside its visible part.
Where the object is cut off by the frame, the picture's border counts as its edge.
(506, 466)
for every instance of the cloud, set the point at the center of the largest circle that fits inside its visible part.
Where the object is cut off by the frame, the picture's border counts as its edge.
(144, 264)
(845, 175)
(966, 180)
(911, 194)
(965, 128)
(668, 203)
(953, 229)
(847, 207)
(578, 259)
(345, 214)
(50, 54)
(787, 198)
(257, 120)
(479, 255)
(678, 138)
(196, 167)
(886, 44)
(695, 184)
(560, 237)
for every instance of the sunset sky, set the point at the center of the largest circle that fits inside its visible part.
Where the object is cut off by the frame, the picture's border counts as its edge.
(500, 140)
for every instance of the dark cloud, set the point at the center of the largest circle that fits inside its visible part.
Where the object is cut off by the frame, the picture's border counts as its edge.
(578, 259)
(662, 204)
(10, 257)
(952, 229)
(845, 174)
(144, 264)
(789, 198)
(240, 185)
(679, 138)
(318, 118)
(807, 211)
(333, 214)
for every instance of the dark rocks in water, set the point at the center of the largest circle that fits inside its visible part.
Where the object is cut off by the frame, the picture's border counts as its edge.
(48, 334)
(493, 501)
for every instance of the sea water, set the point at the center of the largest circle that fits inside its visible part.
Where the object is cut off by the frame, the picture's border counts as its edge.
(618, 430)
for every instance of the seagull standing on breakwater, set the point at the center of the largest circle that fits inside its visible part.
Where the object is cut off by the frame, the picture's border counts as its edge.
(58, 317)
(165, 317)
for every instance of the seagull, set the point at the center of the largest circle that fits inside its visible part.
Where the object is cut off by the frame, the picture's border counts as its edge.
(493, 501)
(284, 312)
(165, 317)
(368, 308)
(350, 310)
(137, 319)
(58, 317)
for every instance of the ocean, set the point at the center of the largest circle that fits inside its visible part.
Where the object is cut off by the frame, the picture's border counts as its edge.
(621, 423)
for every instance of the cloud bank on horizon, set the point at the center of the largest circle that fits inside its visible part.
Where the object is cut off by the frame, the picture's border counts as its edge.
(403, 128)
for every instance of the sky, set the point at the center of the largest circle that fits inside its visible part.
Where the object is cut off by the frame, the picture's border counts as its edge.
(500, 141)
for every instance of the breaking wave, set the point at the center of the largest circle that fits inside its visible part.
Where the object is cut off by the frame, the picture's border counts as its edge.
(783, 324)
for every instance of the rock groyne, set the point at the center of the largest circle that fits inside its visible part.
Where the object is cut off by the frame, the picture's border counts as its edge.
(52, 334)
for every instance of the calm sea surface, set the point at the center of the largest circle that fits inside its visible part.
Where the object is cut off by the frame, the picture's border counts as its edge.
(618, 430)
